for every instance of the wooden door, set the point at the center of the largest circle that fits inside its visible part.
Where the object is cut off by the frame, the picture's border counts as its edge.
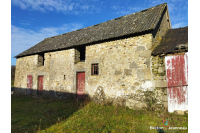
(80, 84)
(40, 85)
(177, 82)
(29, 84)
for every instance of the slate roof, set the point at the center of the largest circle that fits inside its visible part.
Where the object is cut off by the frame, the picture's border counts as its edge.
(174, 41)
(131, 24)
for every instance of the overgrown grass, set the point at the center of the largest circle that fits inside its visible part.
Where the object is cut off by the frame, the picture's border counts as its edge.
(97, 118)
(27, 112)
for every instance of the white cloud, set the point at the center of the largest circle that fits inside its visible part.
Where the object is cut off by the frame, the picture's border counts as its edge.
(66, 6)
(115, 7)
(171, 7)
(157, 2)
(178, 25)
(22, 39)
(177, 10)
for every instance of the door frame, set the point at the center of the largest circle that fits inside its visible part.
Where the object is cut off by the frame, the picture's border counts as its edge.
(31, 84)
(38, 93)
(77, 82)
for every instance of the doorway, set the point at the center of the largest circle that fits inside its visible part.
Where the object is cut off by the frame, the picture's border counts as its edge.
(80, 85)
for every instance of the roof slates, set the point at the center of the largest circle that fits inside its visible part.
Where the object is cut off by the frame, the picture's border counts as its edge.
(172, 39)
(127, 25)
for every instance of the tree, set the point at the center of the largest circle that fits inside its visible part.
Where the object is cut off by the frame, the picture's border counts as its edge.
(13, 72)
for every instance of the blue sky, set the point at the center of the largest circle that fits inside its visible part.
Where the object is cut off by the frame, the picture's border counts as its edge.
(34, 20)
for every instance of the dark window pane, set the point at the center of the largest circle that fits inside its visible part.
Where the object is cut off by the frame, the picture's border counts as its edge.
(94, 69)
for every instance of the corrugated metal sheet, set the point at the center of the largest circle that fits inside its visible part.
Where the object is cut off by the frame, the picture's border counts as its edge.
(177, 82)
(145, 20)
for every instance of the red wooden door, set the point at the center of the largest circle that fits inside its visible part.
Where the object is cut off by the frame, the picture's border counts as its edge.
(80, 84)
(177, 82)
(29, 84)
(40, 84)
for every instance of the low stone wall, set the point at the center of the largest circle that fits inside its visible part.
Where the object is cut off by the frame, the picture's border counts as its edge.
(150, 100)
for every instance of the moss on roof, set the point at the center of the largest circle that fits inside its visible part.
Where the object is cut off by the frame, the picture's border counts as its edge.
(174, 41)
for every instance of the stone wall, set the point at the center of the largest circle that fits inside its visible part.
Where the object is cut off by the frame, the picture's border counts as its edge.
(124, 70)
(128, 74)
(61, 66)
(159, 81)
(24, 66)
(58, 72)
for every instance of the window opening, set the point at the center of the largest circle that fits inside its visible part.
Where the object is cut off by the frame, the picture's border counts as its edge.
(80, 54)
(41, 59)
(95, 69)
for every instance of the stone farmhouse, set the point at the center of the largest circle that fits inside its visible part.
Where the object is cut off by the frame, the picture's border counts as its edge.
(127, 61)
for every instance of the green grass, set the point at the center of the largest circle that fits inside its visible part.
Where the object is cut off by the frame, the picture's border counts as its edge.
(12, 83)
(33, 114)
(27, 112)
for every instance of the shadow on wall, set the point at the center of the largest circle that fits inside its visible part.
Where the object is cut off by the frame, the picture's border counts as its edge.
(48, 93)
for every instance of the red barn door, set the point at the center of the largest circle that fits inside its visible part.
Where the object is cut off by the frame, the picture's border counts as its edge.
(40, 85)
(177, 82)
(29, 84)
(80, 84)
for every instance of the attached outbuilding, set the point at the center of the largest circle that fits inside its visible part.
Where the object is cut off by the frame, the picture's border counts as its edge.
(173, 49)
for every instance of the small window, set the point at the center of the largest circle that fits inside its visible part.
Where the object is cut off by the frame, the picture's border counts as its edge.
(95, 69)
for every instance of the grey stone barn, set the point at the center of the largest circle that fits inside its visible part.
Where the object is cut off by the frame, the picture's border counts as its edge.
(121, 61)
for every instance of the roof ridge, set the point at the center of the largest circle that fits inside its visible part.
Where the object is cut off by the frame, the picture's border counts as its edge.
(110, 20)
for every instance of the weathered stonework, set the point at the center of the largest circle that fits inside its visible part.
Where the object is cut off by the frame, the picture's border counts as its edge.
(133, 65)
(159, 80)
(57, 64)
(119, 63)
(126, 72)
